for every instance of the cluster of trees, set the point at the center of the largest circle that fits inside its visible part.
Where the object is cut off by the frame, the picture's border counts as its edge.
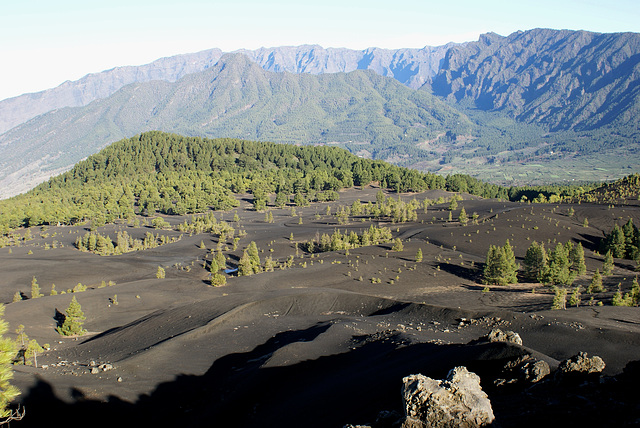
(623, 242)
(299, 199)
(559, 266)
(250, 261)
(102, 245)
(631, 298)
(15, 238)
(395, 210)
(206, 224)
(344, 241)
(551, 194)
(167, 173)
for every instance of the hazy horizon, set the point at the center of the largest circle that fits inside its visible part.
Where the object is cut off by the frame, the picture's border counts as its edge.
(45, 44)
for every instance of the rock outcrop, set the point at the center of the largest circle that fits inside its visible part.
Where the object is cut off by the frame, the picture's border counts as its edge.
(458, 401)
(582, 363)
(497, 335)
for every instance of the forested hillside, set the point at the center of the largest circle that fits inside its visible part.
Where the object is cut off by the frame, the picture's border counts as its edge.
(167, 173)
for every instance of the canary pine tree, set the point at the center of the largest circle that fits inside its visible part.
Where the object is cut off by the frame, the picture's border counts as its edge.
(73, 320)
(607, 265)
(35, 289)
(500, 267)
(535, 261)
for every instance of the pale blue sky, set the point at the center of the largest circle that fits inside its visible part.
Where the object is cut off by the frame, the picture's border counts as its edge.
(44, 42)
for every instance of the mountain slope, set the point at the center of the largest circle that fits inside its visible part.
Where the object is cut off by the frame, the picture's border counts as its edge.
(565, 80)
(17, 110)
(412, 67)
(236, 98)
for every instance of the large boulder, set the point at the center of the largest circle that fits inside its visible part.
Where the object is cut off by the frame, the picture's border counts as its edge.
(582, 364)
(497, 335)
(458, 401)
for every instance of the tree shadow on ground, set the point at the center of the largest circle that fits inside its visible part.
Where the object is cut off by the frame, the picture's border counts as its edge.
(590, 242)
(464, 272)
(59, 318)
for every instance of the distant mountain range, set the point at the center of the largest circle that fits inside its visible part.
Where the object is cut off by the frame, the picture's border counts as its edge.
(412, 67)
(529, 97)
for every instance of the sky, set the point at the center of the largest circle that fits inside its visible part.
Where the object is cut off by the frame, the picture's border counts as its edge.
(44, 43)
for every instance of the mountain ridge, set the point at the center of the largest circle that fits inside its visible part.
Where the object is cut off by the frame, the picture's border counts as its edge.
(295, 59)
(235, 98)
(563, 79)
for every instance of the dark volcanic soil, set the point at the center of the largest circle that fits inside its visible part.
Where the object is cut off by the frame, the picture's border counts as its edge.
(316, 345)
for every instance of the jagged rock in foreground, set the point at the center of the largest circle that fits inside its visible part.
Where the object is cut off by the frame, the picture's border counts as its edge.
(582, 363)
(458, 401)
(497, 335)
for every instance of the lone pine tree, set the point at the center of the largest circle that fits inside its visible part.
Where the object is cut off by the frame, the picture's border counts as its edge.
(73, 320)
(245, 267)
(607, 265)
(463, 218)
(35, 289)
(500, 267)
(576, 257)
(160, 273)
(397, 245)
(560, 298)
(535, 261)
(595, 286)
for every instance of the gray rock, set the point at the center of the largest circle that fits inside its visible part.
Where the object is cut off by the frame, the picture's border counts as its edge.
(457, 401)
(534, 370)
(497, 335)
(525, 368)
(582, 363)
